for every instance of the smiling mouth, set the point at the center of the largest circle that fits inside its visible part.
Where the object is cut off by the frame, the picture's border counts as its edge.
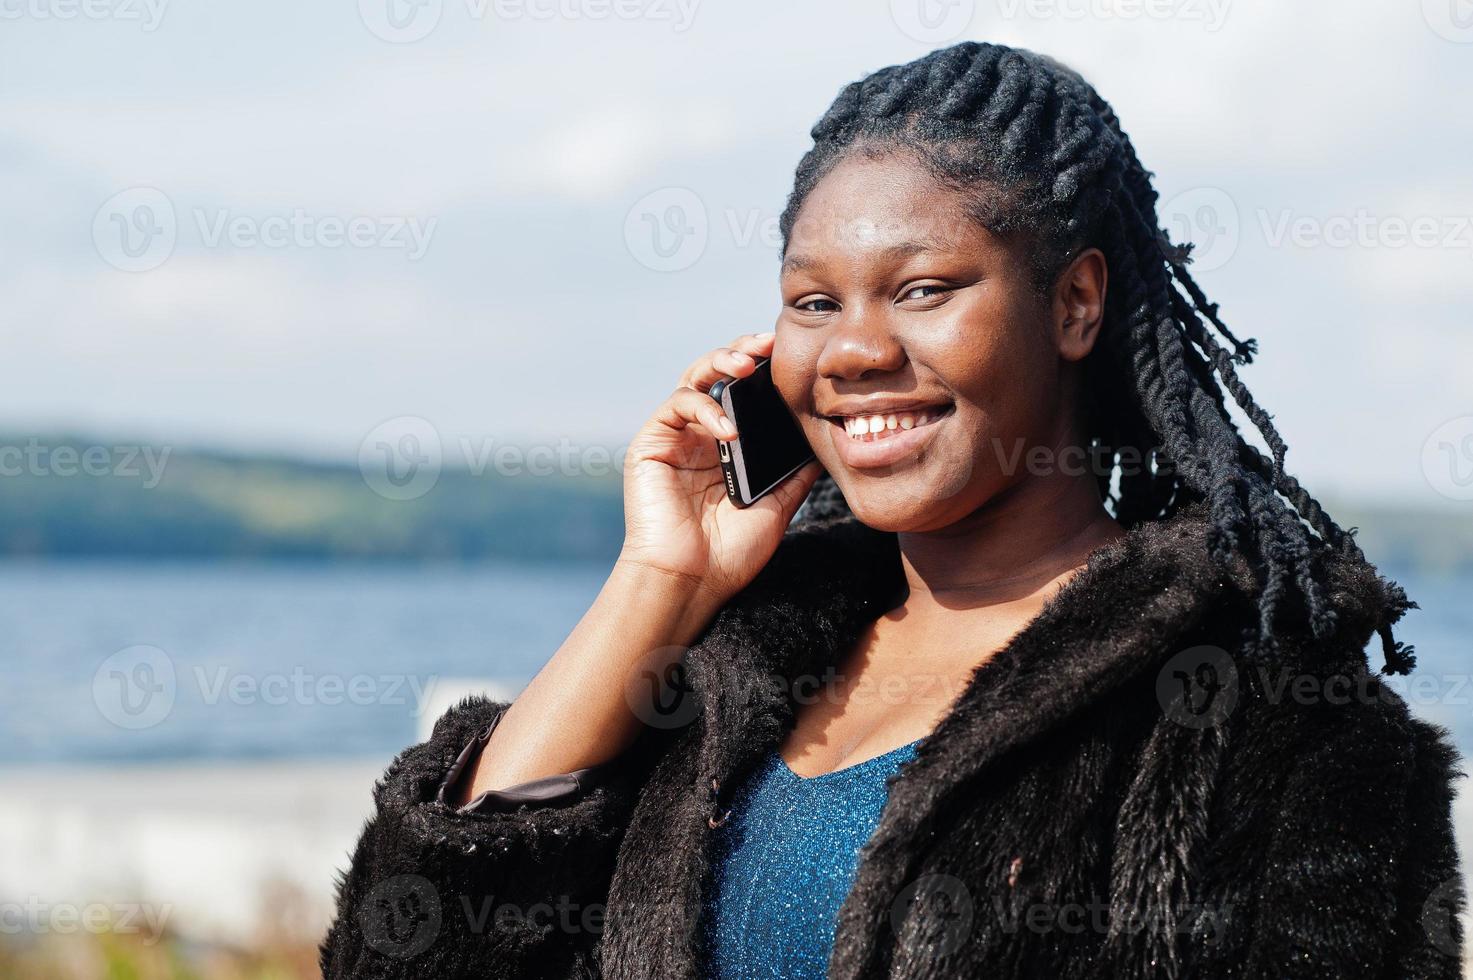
(874, 428)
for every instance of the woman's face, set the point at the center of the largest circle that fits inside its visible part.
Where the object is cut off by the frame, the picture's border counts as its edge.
(914, 350)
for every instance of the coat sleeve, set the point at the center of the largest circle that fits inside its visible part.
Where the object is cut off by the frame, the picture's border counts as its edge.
(1355, 870)
(511, 886)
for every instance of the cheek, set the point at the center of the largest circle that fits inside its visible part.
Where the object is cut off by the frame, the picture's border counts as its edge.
(996, 359)
(794, 367)
(977, 352)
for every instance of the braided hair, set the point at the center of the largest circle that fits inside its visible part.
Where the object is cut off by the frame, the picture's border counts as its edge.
(1042, 158)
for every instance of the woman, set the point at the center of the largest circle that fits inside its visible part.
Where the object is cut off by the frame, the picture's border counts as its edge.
(984, 709)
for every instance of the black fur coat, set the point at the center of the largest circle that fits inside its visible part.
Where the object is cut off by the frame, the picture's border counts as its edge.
(1121, 792)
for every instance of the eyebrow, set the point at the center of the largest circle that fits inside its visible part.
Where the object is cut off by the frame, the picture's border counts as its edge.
(796, 263)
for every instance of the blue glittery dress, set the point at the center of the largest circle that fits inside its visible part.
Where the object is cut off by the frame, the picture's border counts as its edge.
(784, 863)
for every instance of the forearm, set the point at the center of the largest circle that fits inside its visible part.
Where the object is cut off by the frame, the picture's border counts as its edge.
(577, 711)
(427, 885)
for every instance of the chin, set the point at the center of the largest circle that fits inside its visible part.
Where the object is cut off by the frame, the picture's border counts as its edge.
(900, 505)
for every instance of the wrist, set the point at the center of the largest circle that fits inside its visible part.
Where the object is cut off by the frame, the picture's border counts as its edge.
(683, 602)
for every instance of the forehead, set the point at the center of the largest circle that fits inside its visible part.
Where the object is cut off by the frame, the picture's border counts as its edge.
(880, 206)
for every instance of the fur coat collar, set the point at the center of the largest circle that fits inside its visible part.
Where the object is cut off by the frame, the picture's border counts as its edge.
(1058, 776)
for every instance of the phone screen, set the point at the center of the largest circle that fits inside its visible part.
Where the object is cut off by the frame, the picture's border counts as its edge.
(772, 445)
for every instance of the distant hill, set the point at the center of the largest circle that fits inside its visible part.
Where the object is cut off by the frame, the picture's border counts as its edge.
(219, 505)
(1438, 541)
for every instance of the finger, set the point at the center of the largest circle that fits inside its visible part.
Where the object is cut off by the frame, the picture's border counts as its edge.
(736, 361)
(756, 345)
(714, 365)
(686, 407)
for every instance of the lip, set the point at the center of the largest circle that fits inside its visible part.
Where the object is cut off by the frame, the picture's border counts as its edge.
(882, 405)
(862, 454)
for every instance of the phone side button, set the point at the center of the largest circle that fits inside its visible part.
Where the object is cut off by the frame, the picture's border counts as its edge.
(725, 449)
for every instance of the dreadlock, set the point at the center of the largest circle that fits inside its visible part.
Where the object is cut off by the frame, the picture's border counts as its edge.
(1042, 158)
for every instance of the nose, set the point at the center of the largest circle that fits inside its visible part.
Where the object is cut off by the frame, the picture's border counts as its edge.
(860, 344)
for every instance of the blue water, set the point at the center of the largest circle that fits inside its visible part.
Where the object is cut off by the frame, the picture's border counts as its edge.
(262, 656)
(256, 652)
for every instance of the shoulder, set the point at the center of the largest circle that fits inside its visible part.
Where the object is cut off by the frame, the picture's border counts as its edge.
(1334, 748)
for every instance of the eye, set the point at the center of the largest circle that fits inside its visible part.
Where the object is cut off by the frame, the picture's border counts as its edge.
(816, 304)
(923, 291)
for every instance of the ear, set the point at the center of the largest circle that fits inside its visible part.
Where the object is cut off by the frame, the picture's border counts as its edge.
(1079, 304)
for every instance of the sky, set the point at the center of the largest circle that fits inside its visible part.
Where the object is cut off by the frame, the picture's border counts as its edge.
(277, 225)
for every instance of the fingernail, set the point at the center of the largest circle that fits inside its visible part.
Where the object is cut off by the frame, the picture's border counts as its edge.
(766, 335)
(727, 426)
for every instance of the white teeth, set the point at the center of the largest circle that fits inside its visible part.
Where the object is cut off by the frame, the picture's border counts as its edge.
(857, 427)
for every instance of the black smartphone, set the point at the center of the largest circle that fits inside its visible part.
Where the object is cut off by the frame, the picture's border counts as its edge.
(769, 446)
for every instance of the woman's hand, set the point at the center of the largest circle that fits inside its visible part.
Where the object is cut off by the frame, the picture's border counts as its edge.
(687, 550)
(677, 519)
